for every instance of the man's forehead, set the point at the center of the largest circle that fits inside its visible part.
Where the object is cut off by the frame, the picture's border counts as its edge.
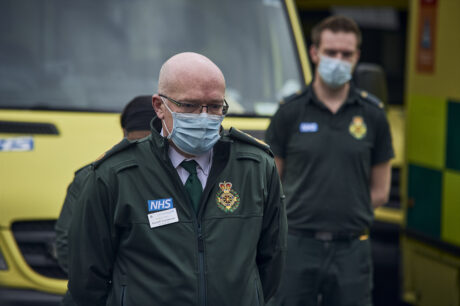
(189, 70)
(198, 90)
(195, 87)
(338, 40)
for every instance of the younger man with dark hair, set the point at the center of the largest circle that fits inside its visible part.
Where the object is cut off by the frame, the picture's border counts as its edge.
(332, 147)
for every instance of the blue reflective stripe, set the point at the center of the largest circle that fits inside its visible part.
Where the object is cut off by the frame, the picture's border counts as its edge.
(17, 144)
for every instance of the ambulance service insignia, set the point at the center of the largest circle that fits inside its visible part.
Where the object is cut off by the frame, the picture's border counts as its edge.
(358, 127)
(227, 199)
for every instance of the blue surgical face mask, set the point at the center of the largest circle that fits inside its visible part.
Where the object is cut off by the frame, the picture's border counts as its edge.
(194, 134)
(334, 72)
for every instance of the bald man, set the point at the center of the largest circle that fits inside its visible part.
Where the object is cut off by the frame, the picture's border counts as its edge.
(191, 215)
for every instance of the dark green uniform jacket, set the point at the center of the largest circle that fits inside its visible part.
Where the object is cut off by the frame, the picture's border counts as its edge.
(232, 253)
(63, 223)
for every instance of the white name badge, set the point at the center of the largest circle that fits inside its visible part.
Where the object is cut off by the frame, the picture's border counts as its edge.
(163, 217)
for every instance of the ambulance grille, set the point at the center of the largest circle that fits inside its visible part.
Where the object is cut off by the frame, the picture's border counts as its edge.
(36, 240)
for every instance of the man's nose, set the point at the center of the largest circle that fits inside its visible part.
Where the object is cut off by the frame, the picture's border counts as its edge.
(202, 107)
(338, 55)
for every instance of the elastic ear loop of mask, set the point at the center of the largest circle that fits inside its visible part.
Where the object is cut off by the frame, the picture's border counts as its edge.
(165, 125)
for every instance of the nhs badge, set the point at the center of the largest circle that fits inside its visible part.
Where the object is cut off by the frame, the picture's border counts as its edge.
(160, 204)
(308, 127)
(16, 144)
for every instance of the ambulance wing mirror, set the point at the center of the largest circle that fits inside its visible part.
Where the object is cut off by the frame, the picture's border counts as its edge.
(371, 78)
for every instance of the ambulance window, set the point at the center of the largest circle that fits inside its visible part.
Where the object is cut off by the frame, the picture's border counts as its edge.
(97, 55)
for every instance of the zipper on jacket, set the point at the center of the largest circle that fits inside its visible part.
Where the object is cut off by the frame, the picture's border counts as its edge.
(218, 164)
(123, 288)
(200, 242)
(257, 293)
(202, 289)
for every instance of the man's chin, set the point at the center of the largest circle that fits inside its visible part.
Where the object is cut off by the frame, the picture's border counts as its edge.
(187, 155)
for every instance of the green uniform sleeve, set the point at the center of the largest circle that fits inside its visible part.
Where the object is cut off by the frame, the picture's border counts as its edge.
(62, 229)
(92, 244)
(272, 243)
(63, 223)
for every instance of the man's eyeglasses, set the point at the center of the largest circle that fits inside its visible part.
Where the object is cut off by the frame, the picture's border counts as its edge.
(213, 108)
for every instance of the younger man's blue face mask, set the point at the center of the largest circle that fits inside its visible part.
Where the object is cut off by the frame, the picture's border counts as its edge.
(194, 134)
(334, 72)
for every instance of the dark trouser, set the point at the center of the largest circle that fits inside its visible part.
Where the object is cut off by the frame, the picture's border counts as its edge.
(327, 273)
(67, 300)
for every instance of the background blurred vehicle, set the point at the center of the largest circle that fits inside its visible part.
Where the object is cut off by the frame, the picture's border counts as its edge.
(417, 44)
(67, 68)
(431, 237)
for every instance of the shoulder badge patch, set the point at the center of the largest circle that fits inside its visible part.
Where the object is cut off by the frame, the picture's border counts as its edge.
(227, 199)
(358, 127)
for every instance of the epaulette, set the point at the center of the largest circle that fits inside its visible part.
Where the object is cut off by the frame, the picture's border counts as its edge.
(293, 96)
(370, 98)
(122, 145)
(82, 168)
(246, 138)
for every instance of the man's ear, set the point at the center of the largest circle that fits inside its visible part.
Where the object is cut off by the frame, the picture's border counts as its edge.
(158, 106)
(314, 55)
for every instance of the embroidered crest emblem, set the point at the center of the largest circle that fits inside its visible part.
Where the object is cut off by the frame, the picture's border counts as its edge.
(358, 127)
(227, 199)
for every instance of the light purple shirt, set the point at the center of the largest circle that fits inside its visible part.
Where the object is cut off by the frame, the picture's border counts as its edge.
(204, 162)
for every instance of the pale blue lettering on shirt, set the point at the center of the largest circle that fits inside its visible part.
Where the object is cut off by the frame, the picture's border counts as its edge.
(160, 204)
(308, 127)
